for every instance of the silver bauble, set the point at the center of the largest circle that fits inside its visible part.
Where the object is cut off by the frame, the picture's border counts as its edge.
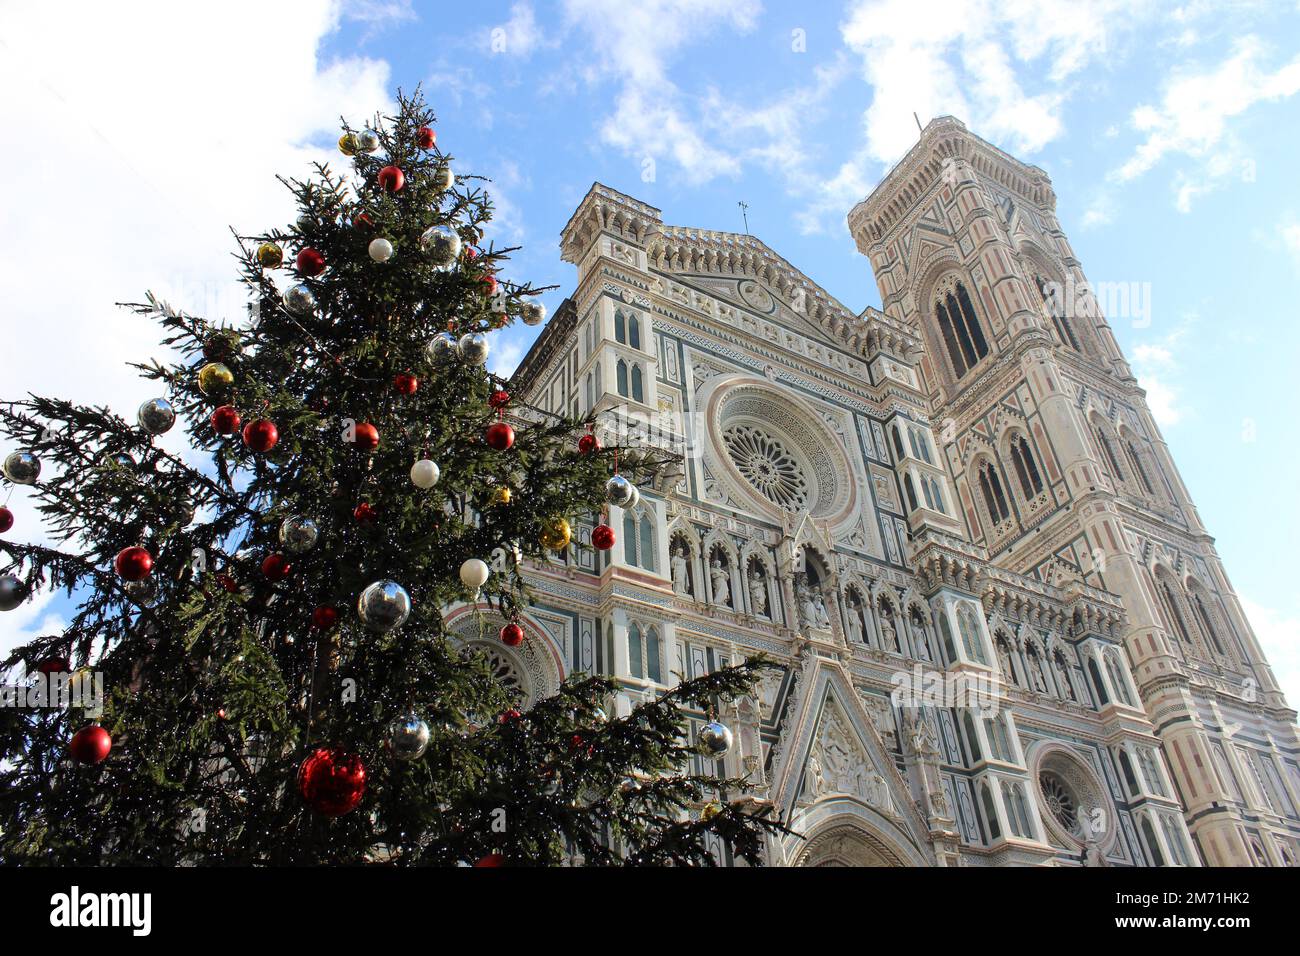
(619, 491)
(298, 534)
(715, 739)
(22, 468)
(409, 737)
(636, 498)
(367, 141)
(425, 473)
(533, 313)
(156, 416)
(442, 347)
(142, 592)
(12, 592)
(300, 300)
(381, 250)
(443, 178)
(473, 348)
(383, 606)
(441, 244)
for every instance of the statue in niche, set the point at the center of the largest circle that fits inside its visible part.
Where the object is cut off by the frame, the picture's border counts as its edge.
(889, 637)
(757, 590)
(1004, 660)
(814, 783)
(718, 579)
(812, 606)
(856, 620)
(1063, 677)
(1036, 678)
(919, 639)
(681, 571)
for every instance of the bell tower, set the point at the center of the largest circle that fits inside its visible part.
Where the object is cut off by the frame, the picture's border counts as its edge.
(1062, 475)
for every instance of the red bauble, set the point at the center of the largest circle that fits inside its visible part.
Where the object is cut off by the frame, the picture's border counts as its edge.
(332, 781)
(500, 436)
(133, 564)
(404, 383)
(492, 859)
(365, 512)
(512, 635)
(508, 715)
(225, 420)
(6, 519)
(324, 617)
(392, 179)
(499, 399)
(588, 443)
(54, 665)
(425, 137)
(363, 222)
(366, 436)
(276, 567)
(311, 262)
(602, 537)
(490, 283)
(261, 435)
(90, 744)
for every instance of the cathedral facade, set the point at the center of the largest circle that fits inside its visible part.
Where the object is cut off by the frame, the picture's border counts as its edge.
(1003, 635)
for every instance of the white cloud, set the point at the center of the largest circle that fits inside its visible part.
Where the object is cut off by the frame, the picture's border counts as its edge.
(1156, 366)
(1279, 635)
(34, 618)
(1289, 233)
(519, 36)
(1192, 120)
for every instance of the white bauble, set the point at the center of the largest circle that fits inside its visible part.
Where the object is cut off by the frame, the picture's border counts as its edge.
(425, 473)
(381, 250)
(474, 573)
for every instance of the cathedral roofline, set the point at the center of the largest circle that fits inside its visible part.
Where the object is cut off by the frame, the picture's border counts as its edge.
(943, 147)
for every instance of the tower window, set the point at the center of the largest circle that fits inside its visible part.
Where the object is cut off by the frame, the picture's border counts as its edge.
(620, 328)
(995, 498)
(638, 391)
(1104, 443)
(620, 374)
(1056, 310)
(911, 493)
(1031, 482)
(634, 332)
(1207, 625)
(1136, 464)
(960, 328)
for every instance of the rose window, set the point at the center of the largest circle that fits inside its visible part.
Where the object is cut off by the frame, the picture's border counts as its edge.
(1060, 800)
(767, 465)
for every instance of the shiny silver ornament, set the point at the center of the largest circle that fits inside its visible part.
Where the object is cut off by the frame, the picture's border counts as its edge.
(142, 592)
(383, 606)
(635, 500)
(533, 313)
(298, 534)
(12, 593)
(409, 737)
(443, 178)
(473, 348)
(367, 141)
(619, 491)
(441, 245)
(442, 347)
(156, 416)
(300, 300)
(22, 468)
(715, 739)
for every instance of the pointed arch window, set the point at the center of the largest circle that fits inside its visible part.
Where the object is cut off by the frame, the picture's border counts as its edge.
(960, 328)
(936, 493)
(945, 632)
(1206, 622)
(590, 395)
(911, 492)
(1153, 845)
(972, 741)
(629, 538)
(620, 328)
(1095, 673)
(652, 670)
(647, 543)
(634, 331)
(1056, 309)
(898, 443)
(635, 661)
(1031, 482)
(995, 498)
(620, 376)
(920, 445)
(638, 391)
(1172, 613)
(1135, 463)
(1104, 443)
(995, 832)
(970, 635)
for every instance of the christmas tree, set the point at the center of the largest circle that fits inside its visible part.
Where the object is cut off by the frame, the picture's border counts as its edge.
(265, 614)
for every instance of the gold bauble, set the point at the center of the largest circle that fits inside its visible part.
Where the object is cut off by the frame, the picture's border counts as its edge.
(348, 144)
(269, 255)
(215, 378)
(500, 495)
(710, 810)
(556, 534)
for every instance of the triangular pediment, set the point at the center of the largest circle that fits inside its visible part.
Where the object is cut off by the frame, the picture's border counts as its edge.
(755, 297)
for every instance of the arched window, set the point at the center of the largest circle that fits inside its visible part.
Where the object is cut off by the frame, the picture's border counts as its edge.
(1126, 766)
(629, 538)
(647, 549)
(1031, 482)
(970, 635)
(911, 492)
(1135, 463)
(898, 443)
(620, 374)
(1108, 452)
(972, 740)
(1174, 616)
(960, 329)
(1056, 309)
(590, 395)
(1206, 622)
(1117, 680)
(634, 331)
(927, 489)
(995, 498)
(995, 832)
(1153, 845)
(920, 445)
(620, 328)
(638, 393)
(1100, 685)
(635, 660)
(999, 741)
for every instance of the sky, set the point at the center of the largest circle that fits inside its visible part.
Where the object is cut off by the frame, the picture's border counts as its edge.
(132, 143)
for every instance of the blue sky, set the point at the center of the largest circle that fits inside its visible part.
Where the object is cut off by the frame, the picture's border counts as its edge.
(1169, 130)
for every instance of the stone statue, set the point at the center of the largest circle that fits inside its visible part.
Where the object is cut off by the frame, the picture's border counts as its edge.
(1063, 678)
(1004, 660)
(888, 639)
(1036, 678)
(810, 616)
(681, 573)
(919, 639)
(757, 591)
(821, 618)
(718, 578)
(813, 782)
(854, 607)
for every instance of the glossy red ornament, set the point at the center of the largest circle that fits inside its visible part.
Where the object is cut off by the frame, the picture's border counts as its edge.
(54, 665)
(490, 284)
(366, 436)
(276, 567)
(225, 420)
(332, 781)
(228, 582)
(6, 519)
(392, 179)
(363, 222)
(508, 715)
(499, 399)
(404, 383)
(324, 617)
(588, 443)
(500, 436)
(491, 860)
(133, 564)
(425, 137)
(365, 513)
(261, 435)
(512, 635)
(602, 537)
(311, 262)
(90, 744)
